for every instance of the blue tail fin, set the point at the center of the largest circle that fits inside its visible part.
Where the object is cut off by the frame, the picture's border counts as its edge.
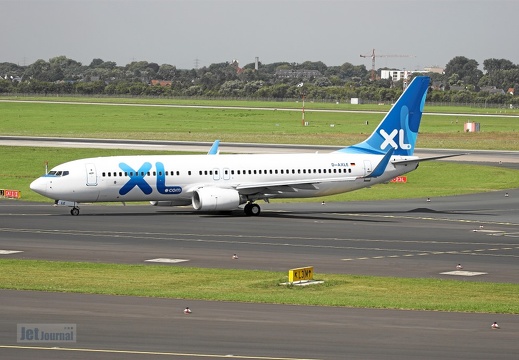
(399, 128)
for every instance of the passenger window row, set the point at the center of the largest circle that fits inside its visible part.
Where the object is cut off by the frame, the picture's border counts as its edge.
(232, 172)
(142, 173)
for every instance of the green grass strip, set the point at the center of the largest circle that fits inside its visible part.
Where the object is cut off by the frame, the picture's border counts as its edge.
(244, 125)
(256, 286)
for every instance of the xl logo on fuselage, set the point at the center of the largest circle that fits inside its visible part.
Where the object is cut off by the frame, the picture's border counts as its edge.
(137, 180)
(389, 139)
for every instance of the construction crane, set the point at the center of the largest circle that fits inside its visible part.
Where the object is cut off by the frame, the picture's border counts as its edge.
(373, 56)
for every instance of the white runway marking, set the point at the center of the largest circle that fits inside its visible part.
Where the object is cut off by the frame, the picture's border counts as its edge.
(136, 352)
(9, 252)
(463, 273)
(165, 260)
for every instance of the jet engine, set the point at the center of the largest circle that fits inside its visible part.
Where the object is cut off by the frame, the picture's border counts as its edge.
(215, 199)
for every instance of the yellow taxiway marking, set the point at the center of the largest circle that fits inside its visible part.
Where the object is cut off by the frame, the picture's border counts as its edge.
(135, 352)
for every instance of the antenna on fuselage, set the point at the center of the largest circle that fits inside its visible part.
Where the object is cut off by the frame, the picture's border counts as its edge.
(46, 167)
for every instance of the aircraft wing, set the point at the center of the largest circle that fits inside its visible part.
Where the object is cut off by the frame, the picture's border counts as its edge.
(277, 187)
(302, 184)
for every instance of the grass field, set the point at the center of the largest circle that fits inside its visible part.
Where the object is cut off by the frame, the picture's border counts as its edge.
(259, 286)
(243, 125)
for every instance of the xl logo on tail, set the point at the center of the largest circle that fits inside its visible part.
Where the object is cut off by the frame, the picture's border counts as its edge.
(389, 139)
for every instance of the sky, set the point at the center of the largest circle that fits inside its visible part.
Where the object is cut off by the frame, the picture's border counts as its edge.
(197, 33)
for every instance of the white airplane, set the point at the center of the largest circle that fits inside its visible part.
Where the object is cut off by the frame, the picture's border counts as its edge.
(214, 182)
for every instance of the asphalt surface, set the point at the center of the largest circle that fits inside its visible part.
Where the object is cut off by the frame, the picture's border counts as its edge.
(112, 327)
(413, 238)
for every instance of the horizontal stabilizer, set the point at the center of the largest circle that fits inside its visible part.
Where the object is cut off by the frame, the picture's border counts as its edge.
(408, 161)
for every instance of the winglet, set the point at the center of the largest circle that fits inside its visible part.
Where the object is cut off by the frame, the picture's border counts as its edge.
(214, 148)
(381, 167)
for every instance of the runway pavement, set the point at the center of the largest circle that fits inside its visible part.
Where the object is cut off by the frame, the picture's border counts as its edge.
(116, 327)
(412, 238)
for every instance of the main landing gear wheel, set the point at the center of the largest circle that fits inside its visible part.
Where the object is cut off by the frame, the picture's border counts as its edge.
(252, 209)
(74, 211)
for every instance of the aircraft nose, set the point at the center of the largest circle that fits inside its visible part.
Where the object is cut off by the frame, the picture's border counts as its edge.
(39, 186)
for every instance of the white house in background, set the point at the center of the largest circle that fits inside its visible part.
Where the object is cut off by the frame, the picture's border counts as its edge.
(396, 75)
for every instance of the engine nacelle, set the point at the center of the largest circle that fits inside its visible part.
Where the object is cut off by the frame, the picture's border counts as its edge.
(215, 199)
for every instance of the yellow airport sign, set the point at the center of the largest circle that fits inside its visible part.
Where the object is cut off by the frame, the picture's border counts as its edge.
(300, 274)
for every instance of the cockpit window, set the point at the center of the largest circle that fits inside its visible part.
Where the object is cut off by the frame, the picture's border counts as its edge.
(58, 173)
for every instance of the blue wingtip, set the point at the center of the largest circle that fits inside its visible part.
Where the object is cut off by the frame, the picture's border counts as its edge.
(381, 167)
(214, 148)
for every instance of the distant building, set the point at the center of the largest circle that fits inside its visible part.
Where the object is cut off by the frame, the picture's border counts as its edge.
(457, 88)
(295, 74)
(162, 83)
(437, 85)
(394, 75)
(492, 90)
(13, 78)
(434, 69)
(397, 75)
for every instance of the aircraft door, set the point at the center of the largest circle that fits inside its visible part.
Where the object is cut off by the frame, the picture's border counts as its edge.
(226, 174)
(91, 175)
(216, 174)
(367, 167)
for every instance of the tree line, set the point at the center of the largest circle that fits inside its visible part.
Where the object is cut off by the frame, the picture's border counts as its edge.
(461, 82)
